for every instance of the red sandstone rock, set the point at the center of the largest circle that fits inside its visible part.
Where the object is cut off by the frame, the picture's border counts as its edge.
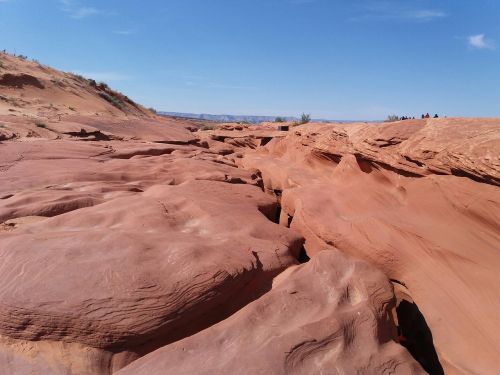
(437, 234)
(122, 233)
(331, 315)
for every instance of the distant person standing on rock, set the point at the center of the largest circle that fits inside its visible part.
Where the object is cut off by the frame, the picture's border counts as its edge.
(427, 115)
(436, 116)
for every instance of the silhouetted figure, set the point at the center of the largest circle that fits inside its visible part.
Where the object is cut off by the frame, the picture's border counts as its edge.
(436, 116)
(423, 116)
(427, 115)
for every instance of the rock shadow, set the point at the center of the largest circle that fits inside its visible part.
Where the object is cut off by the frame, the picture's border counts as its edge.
(416, 337)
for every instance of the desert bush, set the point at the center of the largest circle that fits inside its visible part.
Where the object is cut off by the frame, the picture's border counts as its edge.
(305, 118)
(103, 86)
(40, 124)
(208, 127)
(280, 119)
(80, 78)
(392, 118)
(111, 99)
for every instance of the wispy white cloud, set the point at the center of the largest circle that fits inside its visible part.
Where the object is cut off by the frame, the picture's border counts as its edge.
(426, 14)
(104, 76)
(124, 32)
(480, 41)
(392, 10)
(78, 11)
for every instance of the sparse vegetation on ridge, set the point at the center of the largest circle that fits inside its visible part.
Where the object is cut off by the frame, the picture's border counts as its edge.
(305, 118)
(392, 118)
(111, 99)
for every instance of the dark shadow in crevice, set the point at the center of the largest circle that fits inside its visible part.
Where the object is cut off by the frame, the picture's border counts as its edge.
(483, 179)
(416, 337)
(277, 214)
(264, 141)
(414, 161)
(277, 193)
(91, 136)
(303, 257)
(367, 166)
(398, 282)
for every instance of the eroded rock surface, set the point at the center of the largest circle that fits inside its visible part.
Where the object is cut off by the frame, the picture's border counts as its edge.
(352, 187)
(315, 320)
(135, 244)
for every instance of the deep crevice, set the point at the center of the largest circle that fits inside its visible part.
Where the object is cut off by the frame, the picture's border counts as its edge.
(303, 257)
(277, 213)
(264, 141)
(416, 337)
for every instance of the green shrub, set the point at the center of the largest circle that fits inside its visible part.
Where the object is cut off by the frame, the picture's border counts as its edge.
(80, 78)
(305, 118)
(111, 99)
(280, 119)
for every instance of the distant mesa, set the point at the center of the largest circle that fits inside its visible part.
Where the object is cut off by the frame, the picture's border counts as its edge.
(224, 118)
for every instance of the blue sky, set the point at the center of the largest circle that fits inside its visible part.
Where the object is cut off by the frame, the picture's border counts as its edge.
(346, 59)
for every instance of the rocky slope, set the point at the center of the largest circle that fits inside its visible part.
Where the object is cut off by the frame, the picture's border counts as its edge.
(133, 244)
